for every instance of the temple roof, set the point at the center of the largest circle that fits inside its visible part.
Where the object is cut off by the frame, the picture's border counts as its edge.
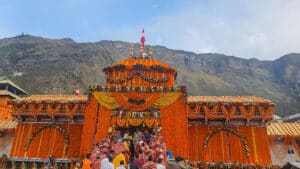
(72, 98)
(228, 99)
(148, 62)
(7, 93)
(13, 85)
(284, 129)
(8, 124)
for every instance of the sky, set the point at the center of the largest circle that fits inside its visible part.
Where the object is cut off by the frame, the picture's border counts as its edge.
(262, 29)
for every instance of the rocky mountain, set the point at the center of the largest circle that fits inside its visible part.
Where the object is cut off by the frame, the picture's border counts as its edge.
(53, 66)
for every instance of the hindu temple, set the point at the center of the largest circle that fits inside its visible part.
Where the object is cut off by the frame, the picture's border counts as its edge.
(140, 92)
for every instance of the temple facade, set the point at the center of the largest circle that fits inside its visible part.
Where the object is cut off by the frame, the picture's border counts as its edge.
(140, 92)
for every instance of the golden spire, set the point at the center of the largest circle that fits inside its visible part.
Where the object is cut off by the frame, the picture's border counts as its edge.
(141, 50)
(150, 51)
(131, 50)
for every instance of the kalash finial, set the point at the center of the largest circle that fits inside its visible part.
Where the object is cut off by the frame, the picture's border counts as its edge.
(150, 51)
(131, 50)
(143, 39)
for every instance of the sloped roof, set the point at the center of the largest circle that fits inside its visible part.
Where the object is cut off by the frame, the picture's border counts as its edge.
(53, 98)
(228, 99)
(284, 129)
(8, 124)
(14, 85)
(7, 93)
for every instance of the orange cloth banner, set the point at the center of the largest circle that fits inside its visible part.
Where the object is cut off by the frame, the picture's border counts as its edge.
(43, 144)
(227, 146)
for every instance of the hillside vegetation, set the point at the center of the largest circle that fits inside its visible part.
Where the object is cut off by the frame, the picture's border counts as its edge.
(51, 66)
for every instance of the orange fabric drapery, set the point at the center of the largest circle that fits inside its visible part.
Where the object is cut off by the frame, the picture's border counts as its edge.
(174, 125)
(227, 147)
(104, 122)
(89, 127)
(44, 144)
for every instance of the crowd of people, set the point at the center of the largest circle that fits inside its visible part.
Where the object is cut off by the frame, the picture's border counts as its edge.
(134, 149)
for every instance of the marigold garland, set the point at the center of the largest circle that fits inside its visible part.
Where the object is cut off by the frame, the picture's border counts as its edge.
(19, 109)
(123, 101)
(106, 100)
(121, 122)
(133, 95)
(124, 122)
(135, 121)
(53, 109)
(166, 99)
(35, 108)
(210, 111)
(137, 73)
(71, 109)
(149, 122)
(114, 100)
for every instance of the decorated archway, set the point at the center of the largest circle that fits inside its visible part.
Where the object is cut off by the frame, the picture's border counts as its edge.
(229, 129)
(55, 126)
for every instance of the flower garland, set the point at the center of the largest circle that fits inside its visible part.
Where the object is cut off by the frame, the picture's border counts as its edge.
(215, 111)
(71, 109)
(19, 108)
(41, 128)
(125, 122)
(134, 114)
(142, 89)
(116, 100)
(35, 108)
(137, 73)
(106, 100)
(210, 111)
(53, 109)
(232, 130)
(166, 99)
(122, 67)
(247, 112)
(123, 101)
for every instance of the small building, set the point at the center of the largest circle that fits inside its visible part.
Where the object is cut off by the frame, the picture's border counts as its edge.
(284, 141)
(8, 92)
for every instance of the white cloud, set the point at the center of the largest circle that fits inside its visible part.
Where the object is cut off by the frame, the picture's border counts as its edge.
(261, 29)
(264, 30)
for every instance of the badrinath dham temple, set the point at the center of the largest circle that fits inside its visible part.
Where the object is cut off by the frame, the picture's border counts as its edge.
(140, 93)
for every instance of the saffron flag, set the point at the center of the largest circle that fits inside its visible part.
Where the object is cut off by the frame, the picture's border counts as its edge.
(77, 92)
(143, 39)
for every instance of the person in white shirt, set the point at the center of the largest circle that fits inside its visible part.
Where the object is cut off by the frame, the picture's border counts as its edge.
(159, 164)
(106, 163)
(121, 166)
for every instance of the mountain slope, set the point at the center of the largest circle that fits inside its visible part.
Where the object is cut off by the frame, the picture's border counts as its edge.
(51, 66)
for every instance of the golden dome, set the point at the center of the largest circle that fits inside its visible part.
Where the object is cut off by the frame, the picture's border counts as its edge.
(140, 72)
(148, 63)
